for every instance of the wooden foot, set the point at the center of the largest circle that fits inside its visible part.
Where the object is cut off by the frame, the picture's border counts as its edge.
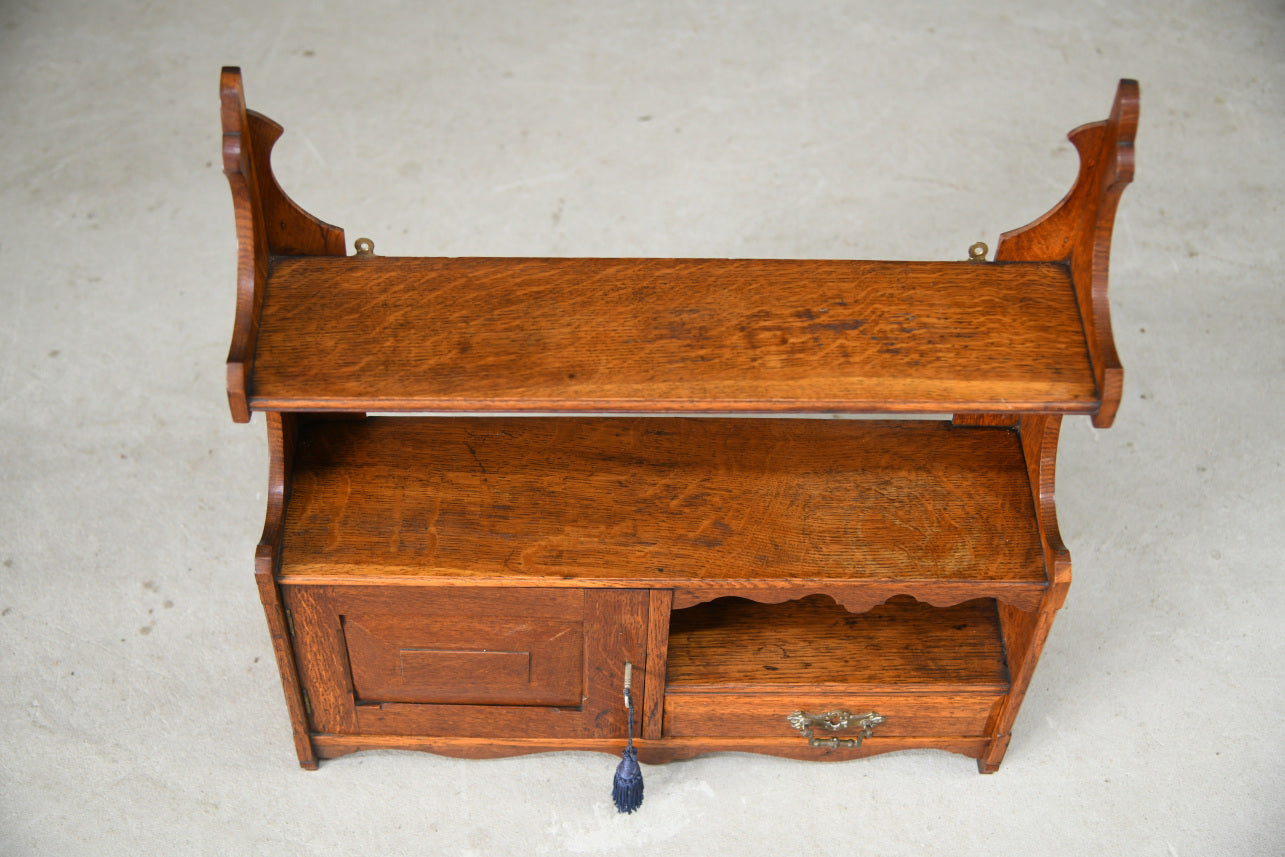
(988, 762)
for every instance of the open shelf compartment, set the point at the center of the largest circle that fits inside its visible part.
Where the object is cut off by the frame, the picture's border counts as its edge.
(737, 645)
(741, 668)
(868, 509)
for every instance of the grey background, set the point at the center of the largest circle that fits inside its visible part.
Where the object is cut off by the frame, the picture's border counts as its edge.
(141, 709)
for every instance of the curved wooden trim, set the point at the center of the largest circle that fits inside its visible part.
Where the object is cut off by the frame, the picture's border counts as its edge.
(268, 223)
(854, 597)
(282, 431)
(291, 231)
(1095, 248)
(861, 597)
(1077, 231)
(1039, 446)
(652, 752)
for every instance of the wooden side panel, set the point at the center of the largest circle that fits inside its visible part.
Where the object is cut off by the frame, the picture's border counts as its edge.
(282, 433)
(1025, 631)
(268, 223)
(1039, 448)
(1024, 636)
(252, 243)
(1077, 232)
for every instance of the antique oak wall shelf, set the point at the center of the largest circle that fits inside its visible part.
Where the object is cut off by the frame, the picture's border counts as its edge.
(474, 585)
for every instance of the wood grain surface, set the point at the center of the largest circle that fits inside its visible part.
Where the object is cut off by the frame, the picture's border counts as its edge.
(475, 585)
(652, 752)
(733, 645)
(653, 701)
(282, 435)
(690, 503)
(268, 223)
(337, 670)
(1077, 231)
(762, 715)
(669, 335)
(398, 656)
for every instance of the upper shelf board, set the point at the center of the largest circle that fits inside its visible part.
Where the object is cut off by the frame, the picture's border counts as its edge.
(669, 335)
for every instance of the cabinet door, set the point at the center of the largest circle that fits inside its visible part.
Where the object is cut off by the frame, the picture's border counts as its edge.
(467, 661)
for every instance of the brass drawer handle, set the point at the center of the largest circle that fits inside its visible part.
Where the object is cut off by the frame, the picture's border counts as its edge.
(833, 721)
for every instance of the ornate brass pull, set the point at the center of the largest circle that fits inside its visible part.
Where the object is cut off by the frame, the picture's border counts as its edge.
(833, 721)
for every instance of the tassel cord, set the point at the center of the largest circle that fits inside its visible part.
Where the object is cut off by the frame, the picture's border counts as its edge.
(627, 789)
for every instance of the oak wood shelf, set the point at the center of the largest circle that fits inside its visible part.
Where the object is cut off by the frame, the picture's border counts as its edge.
(860, 509)
(474, 585)
(669, 335)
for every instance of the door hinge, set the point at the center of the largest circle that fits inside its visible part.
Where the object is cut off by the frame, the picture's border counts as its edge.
(307, 703)
(289, 621)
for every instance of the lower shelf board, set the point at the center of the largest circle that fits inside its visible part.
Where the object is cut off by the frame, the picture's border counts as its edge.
(706, 507)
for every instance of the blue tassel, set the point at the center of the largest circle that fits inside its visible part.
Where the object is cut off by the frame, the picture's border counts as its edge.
(627, 789)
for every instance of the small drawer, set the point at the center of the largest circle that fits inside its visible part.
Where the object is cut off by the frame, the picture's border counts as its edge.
(905, 715)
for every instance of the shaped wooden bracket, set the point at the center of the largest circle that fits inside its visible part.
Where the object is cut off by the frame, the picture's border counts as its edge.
(268, 224)
(1077, 232)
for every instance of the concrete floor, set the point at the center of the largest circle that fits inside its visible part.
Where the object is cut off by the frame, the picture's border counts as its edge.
(142, 712)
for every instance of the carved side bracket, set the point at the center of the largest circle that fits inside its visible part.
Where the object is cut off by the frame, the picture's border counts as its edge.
(268, 223)
(1077, 232)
